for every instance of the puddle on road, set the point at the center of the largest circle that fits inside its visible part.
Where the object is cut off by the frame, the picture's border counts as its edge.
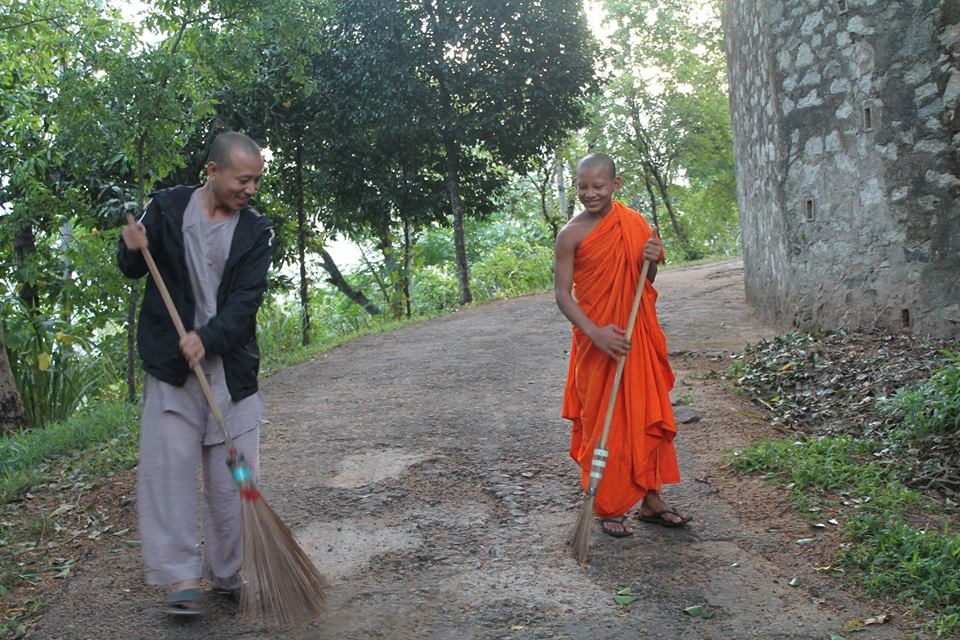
(373, 466)
(343, 548)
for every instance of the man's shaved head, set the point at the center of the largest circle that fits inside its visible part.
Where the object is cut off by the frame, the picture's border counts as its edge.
(229, 142)
(595, 161)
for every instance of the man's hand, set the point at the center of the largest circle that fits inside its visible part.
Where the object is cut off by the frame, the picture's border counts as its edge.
(653, 248)
(134, 236)
(612, 340)
(191, 346)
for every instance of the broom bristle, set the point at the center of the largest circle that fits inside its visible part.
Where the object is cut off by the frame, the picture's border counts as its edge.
(282, 588)
(578, 538)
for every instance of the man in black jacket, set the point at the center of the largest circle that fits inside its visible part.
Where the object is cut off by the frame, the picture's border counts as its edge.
(213, 252)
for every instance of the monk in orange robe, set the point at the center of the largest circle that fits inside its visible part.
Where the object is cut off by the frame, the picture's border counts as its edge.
(599, 255)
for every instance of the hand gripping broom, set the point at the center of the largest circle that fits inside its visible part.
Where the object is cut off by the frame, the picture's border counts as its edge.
(281, 586)
(578, 538)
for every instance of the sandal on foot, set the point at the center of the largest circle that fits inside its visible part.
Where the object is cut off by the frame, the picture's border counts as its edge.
(622, 521)
(186, 602)
(657, 518)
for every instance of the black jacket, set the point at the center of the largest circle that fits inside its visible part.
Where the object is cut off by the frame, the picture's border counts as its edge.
(231, 333)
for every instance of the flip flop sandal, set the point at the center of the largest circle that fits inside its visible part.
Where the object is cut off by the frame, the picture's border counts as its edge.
(186, 602)
(622, 521)
(657, 518)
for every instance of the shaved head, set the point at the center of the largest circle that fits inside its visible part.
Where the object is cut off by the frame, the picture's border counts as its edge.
(225, 145)
(595, 161)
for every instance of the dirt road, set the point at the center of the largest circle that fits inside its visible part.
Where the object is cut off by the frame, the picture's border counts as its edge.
(426, 472)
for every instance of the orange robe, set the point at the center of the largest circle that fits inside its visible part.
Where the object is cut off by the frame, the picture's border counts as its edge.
(642, 457)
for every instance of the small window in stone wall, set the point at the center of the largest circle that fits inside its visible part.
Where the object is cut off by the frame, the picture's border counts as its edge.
(905, 319)
(808, 209)
(842, 7)
(871, 115)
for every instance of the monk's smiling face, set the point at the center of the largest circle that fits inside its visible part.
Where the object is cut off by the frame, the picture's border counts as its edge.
(596, 185)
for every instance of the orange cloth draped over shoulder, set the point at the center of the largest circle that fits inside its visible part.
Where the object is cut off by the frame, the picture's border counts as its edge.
(641, 453)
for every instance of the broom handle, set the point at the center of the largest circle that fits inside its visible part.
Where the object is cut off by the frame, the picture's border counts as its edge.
(178, 323)
(622, 359)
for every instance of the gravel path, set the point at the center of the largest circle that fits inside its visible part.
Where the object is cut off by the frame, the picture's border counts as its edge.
(426, 472)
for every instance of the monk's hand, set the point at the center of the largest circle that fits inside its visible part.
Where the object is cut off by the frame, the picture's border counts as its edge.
(134, 236)
(612, 340)
(191, 346)
(653, 248)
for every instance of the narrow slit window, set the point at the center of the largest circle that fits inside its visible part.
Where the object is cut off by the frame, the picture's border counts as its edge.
(808, 210)
(842, 6)
(868, 118)
(905, 318)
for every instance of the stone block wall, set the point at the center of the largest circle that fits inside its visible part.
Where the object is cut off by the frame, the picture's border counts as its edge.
(846, 122)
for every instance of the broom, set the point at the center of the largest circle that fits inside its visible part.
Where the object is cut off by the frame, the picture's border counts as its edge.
(281, 587)
(578, 538)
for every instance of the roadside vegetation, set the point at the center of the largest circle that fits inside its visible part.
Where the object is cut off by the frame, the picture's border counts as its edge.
(873, 433)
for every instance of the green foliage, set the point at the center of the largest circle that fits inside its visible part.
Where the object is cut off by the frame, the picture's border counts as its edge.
(888, 554)
(54, 370)
(665, 116)
(931, 410)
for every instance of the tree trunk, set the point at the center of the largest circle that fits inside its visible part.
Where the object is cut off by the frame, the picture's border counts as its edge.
(407, 268)
(653, 200)
(572, 200)
(12, 414)
(456, 204)
(24, 246)
(542, 187)
(132, 299)
(302, 242)
(393, 294)
(336, 279)
(561, 188)
(664, 190)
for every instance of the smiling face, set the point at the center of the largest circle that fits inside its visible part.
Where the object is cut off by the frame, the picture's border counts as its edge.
(595, 187)
(233, 183)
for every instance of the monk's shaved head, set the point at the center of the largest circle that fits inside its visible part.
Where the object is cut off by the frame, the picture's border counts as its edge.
(595, 161)
(225, 145)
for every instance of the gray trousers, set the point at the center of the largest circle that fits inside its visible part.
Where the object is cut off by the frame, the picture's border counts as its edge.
(178, 435)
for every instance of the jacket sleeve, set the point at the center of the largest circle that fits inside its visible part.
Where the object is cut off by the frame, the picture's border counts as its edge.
(237, 318)
(132, 263)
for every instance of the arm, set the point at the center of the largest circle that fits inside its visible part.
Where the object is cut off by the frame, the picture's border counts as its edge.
(609, 339)
(238, 316)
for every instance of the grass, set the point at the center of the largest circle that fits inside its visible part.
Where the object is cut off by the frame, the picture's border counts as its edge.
(888, 552)
(26, 456)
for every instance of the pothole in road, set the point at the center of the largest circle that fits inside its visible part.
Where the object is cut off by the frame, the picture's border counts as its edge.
(373, 466)
(342, 548)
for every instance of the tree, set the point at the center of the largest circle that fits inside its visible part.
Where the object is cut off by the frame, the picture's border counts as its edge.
(665, 113)
(485, 83)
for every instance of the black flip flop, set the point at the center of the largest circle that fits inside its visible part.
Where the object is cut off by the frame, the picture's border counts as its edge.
(622, 521)
(186, 602)
(657, 518)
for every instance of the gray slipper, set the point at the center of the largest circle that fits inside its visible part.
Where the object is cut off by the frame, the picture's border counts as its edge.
(186, 602)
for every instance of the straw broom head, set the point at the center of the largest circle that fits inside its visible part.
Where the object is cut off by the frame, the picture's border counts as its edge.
(282, 588)
(578, 537)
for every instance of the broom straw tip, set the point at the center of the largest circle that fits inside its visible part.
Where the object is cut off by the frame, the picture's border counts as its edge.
(578, 539)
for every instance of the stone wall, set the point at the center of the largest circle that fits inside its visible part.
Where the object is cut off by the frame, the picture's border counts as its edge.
(846, 121)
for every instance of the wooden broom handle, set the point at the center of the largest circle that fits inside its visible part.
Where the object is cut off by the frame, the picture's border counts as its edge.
(622, 359)
(181, 331)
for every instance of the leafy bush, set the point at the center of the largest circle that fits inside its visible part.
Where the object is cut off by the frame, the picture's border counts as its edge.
(932, 408)
(55, 371)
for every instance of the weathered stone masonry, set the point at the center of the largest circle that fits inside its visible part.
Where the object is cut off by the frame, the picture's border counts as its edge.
(846, 121)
